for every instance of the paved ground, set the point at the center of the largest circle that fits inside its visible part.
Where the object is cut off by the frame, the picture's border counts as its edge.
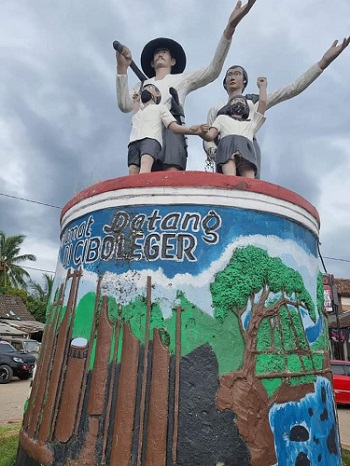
(344, 425)
(12, 398)
(14, 394)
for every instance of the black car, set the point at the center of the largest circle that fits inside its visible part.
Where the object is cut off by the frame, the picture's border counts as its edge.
(15, 363)
(24, 345)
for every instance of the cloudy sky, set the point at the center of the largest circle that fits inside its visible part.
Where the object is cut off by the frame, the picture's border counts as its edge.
(61, 130)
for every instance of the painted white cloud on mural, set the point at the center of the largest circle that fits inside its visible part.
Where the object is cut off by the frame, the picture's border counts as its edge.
(126, 287)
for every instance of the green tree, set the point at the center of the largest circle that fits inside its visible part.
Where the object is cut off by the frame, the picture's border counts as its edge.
(11, 273)
(42, 292)
(38, 300)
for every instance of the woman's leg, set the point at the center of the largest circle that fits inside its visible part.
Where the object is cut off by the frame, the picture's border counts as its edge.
(229, 168)
(146, 163)
(245, 169)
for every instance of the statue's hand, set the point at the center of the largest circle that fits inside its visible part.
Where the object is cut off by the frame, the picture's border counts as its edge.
(123, 60)
(204, 128)
(333, 52)
(196, 129)
(262, 82)
(236, 16)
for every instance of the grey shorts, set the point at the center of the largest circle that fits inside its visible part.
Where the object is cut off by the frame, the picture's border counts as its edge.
(174, 153)
(139, 148)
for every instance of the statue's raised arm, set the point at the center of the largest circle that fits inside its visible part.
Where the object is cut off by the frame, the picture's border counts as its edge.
(236, 17)
(303, 82)
(163, 61)
(333, 52)
(235, 86)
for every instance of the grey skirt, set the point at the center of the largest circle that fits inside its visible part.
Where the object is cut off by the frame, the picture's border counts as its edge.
(243, 147)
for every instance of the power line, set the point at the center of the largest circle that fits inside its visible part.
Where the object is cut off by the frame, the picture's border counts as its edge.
(30, 200)
(336, 259)
(60, 208)
(34, 268)
(319, 253)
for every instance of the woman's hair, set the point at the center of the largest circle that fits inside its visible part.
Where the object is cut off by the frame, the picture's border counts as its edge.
(232, 108)
(245, 76)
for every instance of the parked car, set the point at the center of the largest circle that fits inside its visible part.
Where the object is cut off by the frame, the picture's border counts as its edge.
(341, 381)
(14, 363)
(24, 345)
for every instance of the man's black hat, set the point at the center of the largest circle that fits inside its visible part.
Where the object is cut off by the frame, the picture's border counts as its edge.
(176, 52)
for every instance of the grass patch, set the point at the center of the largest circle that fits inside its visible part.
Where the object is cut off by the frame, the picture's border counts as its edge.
(8, 428)
(8, 443)
(346, 457)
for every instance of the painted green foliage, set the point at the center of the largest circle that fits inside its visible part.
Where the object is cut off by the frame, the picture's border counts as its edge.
(198, 328)
(250, 271)
(273, 295)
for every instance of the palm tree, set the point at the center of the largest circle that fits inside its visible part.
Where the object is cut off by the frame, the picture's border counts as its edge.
(43, 292)
(10, 272)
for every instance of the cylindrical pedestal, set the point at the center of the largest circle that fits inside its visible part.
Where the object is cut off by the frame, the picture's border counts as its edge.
(187, 328)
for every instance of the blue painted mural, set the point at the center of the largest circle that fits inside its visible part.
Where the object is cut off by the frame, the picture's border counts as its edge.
(306, 431)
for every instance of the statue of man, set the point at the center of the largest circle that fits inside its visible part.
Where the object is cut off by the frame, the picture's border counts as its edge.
(163, 60)
(236, 80)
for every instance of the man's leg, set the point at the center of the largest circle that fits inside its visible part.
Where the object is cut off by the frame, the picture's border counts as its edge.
(174, 153)
(171, 168)
(146, 163)
(134, 158)
(134, 170)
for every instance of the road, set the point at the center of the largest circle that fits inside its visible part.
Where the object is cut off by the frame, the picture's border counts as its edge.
(12, 398)
(14, 394)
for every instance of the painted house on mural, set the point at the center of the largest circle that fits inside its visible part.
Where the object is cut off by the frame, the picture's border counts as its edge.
(341, 335)
(16, 320)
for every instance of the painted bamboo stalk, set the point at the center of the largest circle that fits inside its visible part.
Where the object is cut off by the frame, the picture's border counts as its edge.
(70, 397)
(178, 311)
(126, 400)
(38, 396)
(98, 388)
(59, 359)
(158, 404)
(78, 274)
(39, 389)
(145, 371)
(88, 359)
(111, 387)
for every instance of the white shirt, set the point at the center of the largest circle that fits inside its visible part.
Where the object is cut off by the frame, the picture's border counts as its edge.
(273, 98)
(229, 126)
(184, 83)
(148, 122)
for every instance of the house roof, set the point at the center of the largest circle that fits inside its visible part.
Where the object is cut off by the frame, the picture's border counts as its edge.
(343, 286)
(344, 320)
(6, 329)
(12, 307)
(24, 326)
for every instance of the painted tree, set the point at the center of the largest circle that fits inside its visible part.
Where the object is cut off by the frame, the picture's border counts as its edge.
(268, 299)
(11, 273)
